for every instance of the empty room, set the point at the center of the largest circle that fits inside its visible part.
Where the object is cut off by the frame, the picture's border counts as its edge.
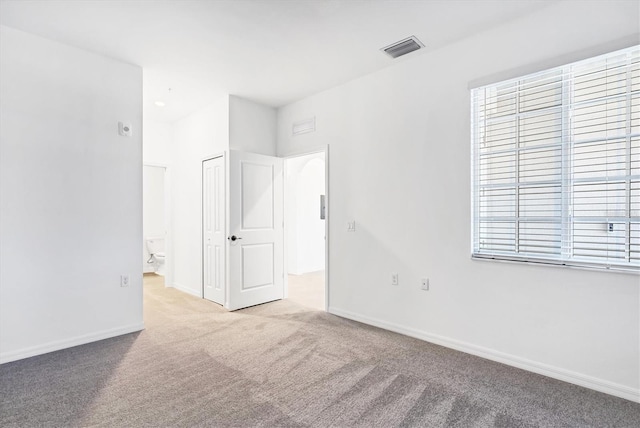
(320, 213)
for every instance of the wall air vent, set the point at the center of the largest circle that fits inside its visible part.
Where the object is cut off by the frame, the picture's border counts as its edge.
(304, 126)
(403, 47)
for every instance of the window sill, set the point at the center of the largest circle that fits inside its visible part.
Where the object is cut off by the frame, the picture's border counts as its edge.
(561, 264)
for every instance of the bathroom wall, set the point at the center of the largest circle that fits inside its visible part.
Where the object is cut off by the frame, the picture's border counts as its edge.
(71, 196)
(153, 210)
(157, 146)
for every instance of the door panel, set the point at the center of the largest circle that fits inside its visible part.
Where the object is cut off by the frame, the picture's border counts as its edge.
(255, 219)
(214, 219)
(257, 195)
(257, 266)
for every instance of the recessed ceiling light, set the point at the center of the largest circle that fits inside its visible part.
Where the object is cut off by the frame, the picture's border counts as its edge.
(159, 103)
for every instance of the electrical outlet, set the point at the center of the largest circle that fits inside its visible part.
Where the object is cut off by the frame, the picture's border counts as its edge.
(424, 284)
(394, 279)
(124, 280)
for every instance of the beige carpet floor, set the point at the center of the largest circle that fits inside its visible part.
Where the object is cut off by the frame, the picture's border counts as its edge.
(308, 290)
(281, 364)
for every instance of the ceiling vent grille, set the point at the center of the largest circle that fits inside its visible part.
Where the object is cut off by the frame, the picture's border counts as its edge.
(403, 47)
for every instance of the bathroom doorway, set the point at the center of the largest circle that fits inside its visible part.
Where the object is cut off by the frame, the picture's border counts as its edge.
(154, 220)
(305, 229)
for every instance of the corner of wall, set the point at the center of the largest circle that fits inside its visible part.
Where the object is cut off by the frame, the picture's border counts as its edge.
(252, 126)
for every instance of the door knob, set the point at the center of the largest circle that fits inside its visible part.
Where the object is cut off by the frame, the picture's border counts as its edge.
(233, 237)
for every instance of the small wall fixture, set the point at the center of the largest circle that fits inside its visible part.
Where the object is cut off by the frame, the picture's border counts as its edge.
(403, 47)
(124, 129)
(304, 126)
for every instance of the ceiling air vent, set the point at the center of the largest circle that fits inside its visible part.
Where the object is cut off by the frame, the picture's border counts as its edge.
(403, 47)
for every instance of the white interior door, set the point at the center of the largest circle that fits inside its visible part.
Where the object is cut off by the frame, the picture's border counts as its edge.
(256, 248)
(213, 226)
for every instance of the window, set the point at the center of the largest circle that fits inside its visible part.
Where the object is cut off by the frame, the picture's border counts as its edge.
(556, 165)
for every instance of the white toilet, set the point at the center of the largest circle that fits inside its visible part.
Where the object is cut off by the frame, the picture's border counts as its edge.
(155, 247)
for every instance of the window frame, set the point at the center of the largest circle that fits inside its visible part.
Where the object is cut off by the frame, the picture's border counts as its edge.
(566, 182)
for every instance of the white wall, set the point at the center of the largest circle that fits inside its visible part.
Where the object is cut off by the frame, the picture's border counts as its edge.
(400, 167)
(197, 137)
(157, 142)
(71, 196)
(252, 126)
(305, 230)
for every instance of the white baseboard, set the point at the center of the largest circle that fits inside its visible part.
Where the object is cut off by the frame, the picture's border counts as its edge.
(187, 290)
(6, 357)
(586, 381)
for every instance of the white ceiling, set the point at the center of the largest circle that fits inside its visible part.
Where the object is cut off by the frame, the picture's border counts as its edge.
(270, 51)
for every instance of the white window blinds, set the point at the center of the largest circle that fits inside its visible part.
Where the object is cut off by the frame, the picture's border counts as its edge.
(556, 165)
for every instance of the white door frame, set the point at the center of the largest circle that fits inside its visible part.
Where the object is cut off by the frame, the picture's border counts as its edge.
(324, 150)
(168, 239)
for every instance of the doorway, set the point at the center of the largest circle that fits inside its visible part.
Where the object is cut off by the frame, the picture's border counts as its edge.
(305, 229)
(154, 220)
(243, 236)
(250, 255)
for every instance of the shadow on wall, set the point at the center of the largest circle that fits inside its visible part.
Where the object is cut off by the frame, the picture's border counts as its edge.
(366, 275)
